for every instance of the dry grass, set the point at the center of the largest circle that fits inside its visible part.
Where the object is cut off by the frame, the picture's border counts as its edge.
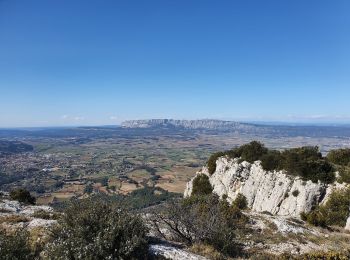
(208, 252)
(128, 187)
(139, 175)
(13, 219)
(42, 214)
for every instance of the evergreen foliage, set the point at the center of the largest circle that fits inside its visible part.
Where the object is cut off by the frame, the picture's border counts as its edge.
(96, 229)
(306, 162)
(15, 246)
(201, 185)
(340, 156)
(22, 196)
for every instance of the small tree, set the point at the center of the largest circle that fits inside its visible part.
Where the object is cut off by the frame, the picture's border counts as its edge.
(89, 188)
(240, 201)
(201, 185)
(212, 161)
(202, 220)
(22, 196)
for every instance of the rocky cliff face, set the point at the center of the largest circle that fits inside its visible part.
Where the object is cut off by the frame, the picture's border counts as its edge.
(273, 192)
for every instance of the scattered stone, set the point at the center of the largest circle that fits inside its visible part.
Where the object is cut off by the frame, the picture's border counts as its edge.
(174, 253)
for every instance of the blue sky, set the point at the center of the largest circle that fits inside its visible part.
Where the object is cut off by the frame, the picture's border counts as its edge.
(81, 62)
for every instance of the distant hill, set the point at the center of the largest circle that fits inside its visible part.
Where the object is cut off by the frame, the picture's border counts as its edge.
(157, 127)
(14, 147)
(209, 124)
(220, 126)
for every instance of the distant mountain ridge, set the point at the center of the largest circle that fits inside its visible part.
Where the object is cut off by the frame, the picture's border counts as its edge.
(210, 124)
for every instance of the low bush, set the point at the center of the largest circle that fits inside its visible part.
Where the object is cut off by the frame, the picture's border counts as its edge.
(330, 255)
(306, 162)
(336, 208)
(202, 220)
(315, 217)
(201, 185)
(295, 193)
(271, 160)
(240, 201)
(42, 214)
(148, 196)
(249, 152)
(334, 212)
(340, 156)
(22, 196)
(252, 152)
(89, 188)
(344, 174)
(207, 251)
(96, 229)
(15, 245)
(212, 161)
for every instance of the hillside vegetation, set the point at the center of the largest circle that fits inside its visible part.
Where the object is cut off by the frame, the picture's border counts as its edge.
(306, 162)
(14, 147)
(334, 212)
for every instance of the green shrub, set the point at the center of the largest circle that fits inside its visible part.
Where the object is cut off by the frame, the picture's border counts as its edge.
(22, 196)
(45, 215)
(295, 193)
(271, 160)
(89, 188)
(96, 229)
(306, 162)
(330, 255)
(201, 185)
(240, 201)
(334, 212)
(252, 152)
(148, 196)
(316, 218)
(337, 207)
(15, 246)
(203, 220)
(339, 156)
(344, 173)
(249, 152)
(212, 161)
(303, 216)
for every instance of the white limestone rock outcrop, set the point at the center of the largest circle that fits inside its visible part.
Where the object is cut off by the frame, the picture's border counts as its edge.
(174, 253)
(274, 192)
(12, 208)
(347, 226)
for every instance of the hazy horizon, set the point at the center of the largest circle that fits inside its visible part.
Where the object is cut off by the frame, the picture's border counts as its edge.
(257, 122)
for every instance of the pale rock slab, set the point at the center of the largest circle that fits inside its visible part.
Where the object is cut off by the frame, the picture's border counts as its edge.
(347, 226)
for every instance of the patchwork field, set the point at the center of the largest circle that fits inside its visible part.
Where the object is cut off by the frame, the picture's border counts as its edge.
(66, 163)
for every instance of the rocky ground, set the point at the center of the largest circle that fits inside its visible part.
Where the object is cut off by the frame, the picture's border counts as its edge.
(271, 234)
(14, 214)
(280, 234)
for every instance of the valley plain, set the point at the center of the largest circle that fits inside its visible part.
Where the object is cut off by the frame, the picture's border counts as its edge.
(72, 162)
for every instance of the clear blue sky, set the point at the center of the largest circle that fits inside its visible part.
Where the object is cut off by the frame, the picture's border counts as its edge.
(79, 62)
